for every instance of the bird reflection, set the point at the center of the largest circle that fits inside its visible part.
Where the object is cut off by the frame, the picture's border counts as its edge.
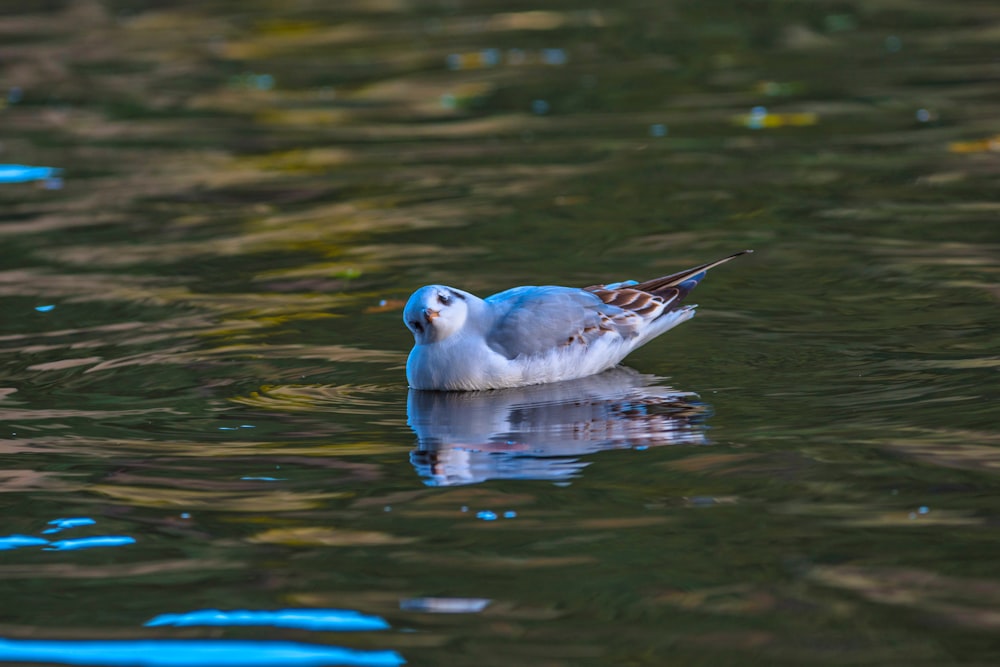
(539, 432)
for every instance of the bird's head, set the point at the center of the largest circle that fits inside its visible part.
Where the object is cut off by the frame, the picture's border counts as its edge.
(435, 312)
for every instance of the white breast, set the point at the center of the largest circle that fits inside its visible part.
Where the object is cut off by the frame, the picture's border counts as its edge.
(465, 363)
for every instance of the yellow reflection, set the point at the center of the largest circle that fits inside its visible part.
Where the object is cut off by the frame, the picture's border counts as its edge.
(229, 501)
(303, 117)
(348, 399)
(329, 537)
(987, 145)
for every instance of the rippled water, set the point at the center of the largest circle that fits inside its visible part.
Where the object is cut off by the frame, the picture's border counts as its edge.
(211, 215)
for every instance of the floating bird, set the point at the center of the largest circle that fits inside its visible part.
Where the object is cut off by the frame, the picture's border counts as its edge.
(533, 335)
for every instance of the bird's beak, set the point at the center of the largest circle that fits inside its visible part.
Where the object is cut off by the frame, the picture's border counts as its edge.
(430, 315)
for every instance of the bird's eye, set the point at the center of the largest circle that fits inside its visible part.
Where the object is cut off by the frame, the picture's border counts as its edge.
(417, 326)
(444, 299)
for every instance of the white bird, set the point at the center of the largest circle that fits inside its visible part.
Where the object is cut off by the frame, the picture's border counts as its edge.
(533, 335)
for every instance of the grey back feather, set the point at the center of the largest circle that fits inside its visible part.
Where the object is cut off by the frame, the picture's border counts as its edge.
(533, 321)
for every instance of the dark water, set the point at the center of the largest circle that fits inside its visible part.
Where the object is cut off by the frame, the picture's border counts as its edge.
(202, 353)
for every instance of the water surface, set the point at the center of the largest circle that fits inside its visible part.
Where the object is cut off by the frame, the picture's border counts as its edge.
(215, 212)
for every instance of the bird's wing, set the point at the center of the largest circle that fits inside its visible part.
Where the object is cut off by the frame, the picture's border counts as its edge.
(532, 321)
(537, 320)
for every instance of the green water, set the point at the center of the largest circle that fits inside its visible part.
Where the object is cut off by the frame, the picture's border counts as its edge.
(806, 473)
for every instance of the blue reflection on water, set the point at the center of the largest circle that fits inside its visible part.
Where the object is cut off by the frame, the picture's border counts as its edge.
(756, 119)
(90, 543)
(17, 541)
(554, 56)
(8, 542)
(343, 620)
(72, 522)
(191, 652)
(22, 173)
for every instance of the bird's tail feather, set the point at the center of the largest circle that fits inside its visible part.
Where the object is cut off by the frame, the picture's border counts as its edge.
(692, 275)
